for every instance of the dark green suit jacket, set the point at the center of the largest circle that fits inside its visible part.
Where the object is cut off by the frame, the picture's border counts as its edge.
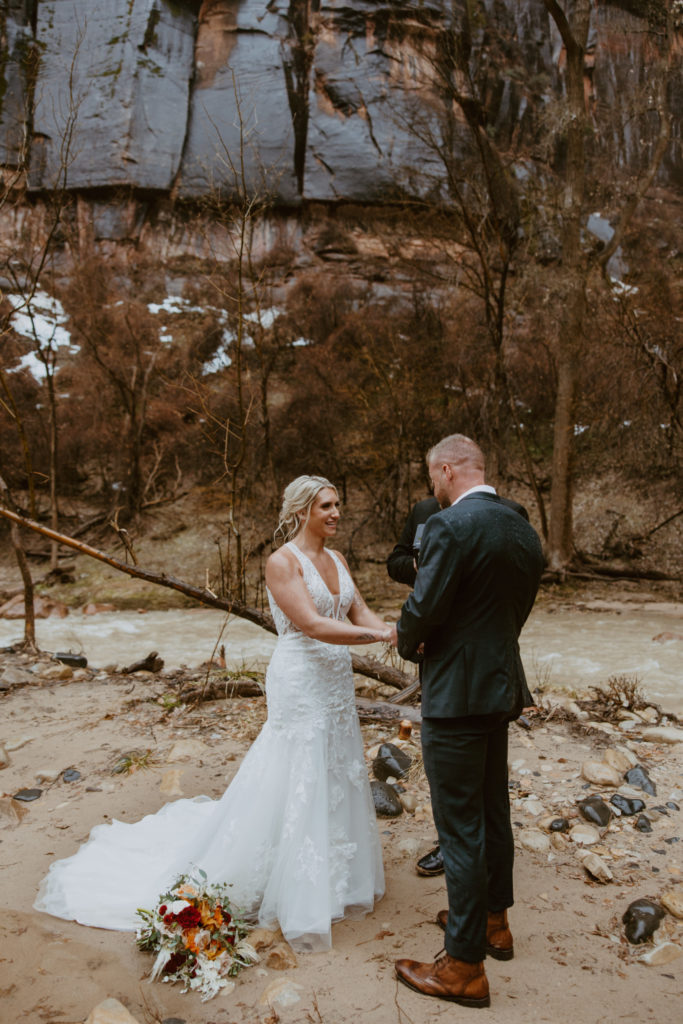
(479, 571)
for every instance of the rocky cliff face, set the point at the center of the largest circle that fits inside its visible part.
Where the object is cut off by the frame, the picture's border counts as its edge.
(319, 98)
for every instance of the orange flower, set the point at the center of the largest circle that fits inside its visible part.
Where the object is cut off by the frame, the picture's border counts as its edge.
(186, 890)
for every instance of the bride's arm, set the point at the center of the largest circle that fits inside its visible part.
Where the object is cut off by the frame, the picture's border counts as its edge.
(359, 613)
(285, 582)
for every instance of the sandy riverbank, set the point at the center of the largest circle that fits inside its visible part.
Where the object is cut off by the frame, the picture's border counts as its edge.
(572, 962)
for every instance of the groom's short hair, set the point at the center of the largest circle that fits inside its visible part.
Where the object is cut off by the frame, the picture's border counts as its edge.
(457, 450)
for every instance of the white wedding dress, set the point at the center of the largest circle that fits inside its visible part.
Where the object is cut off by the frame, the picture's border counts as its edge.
(294, 834)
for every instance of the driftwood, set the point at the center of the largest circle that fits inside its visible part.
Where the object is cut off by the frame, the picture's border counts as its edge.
(366, 666)
(383, 711)
(152, 663)
(219, 689)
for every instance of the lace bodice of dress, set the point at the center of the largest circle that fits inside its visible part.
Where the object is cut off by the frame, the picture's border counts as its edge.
(332, 606)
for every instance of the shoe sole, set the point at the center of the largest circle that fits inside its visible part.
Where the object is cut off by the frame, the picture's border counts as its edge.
(475, 1004)
(492, 951)
(427, 873)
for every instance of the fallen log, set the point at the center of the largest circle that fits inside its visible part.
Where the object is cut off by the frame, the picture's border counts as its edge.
(366, 666)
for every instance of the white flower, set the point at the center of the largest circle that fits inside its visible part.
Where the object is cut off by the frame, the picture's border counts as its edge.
(177, 906)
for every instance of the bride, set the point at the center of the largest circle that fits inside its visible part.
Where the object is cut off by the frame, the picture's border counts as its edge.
(295, 832)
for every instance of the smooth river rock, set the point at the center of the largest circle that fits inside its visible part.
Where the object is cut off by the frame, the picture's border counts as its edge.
(662, 734)
(639, 778)
(391, 762)
(664, 953)
(535, 840)
(584, 834)
(672, 900)
(641, 919)
(596, 811)
(627, 806)
(600, 773)
(595, 866)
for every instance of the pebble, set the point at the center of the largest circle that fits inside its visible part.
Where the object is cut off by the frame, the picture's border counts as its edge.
(281, 994)
(584, 834)
(641, 919)
(170, 783)
(27, 795)
(643, 824)
(281, 957)
(409, 802)
(673, 901)
(11, 812)
(662, 954)
(111, 1011)
(390, 761)
(12, 676)
(48, 774)
(559, 825)
(71, 775)
(386, 800)
(263, 938)
(535, 840)
(672, 805)
(409, 847)
(595, 810)
(627, 806)
(662, 734)
(600, 773)
(595, 866)
(639, 778)
(57, 672)
(18, 743)
(618, 759)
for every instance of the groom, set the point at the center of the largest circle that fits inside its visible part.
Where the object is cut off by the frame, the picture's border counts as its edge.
(479, 571)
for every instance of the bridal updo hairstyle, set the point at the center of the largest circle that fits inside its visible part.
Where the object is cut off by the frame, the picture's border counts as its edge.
(299, 497)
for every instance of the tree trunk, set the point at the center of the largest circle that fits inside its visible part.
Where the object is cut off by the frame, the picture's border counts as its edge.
(570, 340)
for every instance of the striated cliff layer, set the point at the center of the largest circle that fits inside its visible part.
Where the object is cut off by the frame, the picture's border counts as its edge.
(320, 99)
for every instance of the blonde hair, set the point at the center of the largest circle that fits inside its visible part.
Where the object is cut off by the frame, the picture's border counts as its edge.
(457, 450)
(298, 497)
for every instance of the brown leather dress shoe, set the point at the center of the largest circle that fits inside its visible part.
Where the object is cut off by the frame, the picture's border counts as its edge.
(499, 943)
(447, 978)
(498, 936)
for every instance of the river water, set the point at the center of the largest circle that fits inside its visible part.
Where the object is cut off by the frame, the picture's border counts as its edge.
(568, 648)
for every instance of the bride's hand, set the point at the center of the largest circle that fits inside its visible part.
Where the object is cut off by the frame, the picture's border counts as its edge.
(391, 636)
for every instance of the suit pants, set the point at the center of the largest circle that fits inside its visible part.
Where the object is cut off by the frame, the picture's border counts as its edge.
(465, 761)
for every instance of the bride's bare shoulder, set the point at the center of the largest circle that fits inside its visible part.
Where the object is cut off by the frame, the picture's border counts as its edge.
(282, 562)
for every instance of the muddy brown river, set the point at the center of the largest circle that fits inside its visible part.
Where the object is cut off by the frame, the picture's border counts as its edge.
(569, 648)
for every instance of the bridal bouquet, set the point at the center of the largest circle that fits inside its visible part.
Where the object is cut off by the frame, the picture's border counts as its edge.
(196, 935)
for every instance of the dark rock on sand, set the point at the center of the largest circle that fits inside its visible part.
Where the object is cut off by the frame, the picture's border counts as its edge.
(386, 800)
(641, 919)
(639, 778)
(391, 762)
(595, 810)
(627, 805)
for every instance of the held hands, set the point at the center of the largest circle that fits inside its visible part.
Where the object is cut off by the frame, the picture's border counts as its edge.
(392, 636)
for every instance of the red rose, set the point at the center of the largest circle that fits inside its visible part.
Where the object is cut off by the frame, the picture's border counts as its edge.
(175, 962)
(227, 919)
(169, 919)
(162, 909)
(189, 917)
